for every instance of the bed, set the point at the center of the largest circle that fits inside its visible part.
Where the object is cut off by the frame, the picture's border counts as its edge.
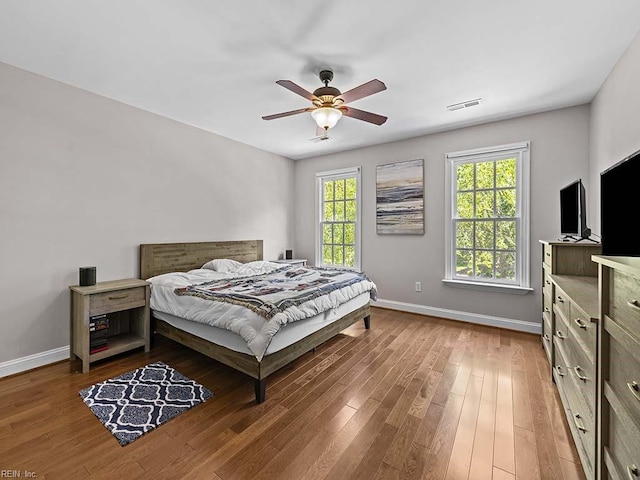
(289, 343)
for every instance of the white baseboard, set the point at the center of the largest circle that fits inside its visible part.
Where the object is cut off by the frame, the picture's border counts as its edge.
(33, 361)
(508, 323)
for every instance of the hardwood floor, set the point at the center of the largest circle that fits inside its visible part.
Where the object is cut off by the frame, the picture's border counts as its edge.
(415, 397)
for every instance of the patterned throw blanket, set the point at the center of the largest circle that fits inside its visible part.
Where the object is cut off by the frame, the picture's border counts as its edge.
(273, 293)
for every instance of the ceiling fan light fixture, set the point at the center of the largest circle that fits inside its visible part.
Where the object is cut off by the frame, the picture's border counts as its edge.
(326, 117)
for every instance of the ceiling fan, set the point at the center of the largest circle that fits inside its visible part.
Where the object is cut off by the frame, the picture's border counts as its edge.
(329, 103)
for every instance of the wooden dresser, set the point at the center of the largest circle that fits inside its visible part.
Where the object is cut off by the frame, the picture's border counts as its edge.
(570, 315)
(619, 366)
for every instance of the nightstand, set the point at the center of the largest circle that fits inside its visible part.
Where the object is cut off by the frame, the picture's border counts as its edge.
(125, 306)
(293, 261)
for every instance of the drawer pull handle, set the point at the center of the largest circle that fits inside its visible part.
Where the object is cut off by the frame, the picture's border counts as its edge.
(560, 299)
(546, 310)
(632, 471)
(560, 335)
(634, 304)
(580, 427)
(548, 254)
(547, 282)
(118, 297)
(635, 388)
(580, 323)
(546, 337)
(559, 370)
(577, 369)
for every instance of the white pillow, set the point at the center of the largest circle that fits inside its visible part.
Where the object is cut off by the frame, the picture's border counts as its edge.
(222, 265)
(258, 267)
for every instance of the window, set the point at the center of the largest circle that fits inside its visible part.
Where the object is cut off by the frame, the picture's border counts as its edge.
(338, 232)
(487, 238)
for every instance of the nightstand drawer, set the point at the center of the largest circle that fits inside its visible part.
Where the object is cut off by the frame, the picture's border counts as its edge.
(117, 300)
(625, 302)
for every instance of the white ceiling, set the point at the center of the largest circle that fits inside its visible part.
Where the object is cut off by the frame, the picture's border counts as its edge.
(214, 64)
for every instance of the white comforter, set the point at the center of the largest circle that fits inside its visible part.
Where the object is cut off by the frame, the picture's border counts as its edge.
(251, 327)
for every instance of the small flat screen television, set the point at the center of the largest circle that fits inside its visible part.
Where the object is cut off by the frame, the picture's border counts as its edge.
(620, 207)
(573, 212)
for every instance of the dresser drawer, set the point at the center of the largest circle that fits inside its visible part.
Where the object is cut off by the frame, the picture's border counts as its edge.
(547, 286)
(561, 333)
(582, 372)
(547, 305)
(117, 300)
(583, 331)
(562, 303)
(583, 424)
(624, 378)
(547, 252)
(560, 371)
(625, 302)
(623, 439)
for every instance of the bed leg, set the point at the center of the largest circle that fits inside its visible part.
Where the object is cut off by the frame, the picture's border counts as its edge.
(367, 322)
(260, 387)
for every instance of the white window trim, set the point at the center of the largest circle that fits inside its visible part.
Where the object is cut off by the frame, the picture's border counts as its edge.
(523, 282)
(337, 175)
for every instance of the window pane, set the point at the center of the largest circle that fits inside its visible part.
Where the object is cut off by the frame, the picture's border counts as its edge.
(506, 173)
(484, 235)
(465, 205)
(484, 264)
(328, 190)
(350, 234)
(327, 237)
(339, 211)
(484, 204)
(328, 212)
(464, 174)
(339, 189)
(351, 211)
(338, 258)
(464, 235)
(350, 256)
(327, 254)
(506, 265)
(506, 203)
(506, 235)
(484, 174)
(350, 188)
(464, 263)
(338, 236)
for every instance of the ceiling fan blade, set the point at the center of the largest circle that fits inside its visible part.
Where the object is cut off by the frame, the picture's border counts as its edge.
(287, 114)
(362, 115)
(289, 85)
(364, 90)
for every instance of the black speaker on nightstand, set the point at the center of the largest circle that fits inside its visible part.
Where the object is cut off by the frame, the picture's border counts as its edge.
(288, 254)
(87, 276)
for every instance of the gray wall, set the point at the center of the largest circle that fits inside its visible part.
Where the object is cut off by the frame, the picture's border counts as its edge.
(615, 121)
(559, 155)
(85, 179)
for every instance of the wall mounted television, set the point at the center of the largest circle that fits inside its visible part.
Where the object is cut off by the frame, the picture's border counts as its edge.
(620, 207)
(573, 212)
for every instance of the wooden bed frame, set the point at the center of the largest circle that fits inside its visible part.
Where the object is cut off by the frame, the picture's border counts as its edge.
(159, 258)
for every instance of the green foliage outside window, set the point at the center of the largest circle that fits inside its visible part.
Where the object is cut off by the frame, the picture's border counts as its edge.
(485, 224)
(338, 223)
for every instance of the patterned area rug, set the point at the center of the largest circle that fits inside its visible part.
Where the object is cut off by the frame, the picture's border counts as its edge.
(139, 401)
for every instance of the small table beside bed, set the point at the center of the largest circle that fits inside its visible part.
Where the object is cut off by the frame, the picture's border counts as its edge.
(222, 300)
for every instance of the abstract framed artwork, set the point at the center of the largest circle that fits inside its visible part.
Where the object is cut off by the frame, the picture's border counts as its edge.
(400, 198)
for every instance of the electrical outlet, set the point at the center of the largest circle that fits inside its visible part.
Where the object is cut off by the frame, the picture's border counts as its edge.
(418, 286)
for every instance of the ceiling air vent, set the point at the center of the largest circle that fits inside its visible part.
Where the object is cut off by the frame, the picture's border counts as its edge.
(466, 104)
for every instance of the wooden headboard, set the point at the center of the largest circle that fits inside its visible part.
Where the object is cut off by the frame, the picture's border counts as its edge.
(159, 258)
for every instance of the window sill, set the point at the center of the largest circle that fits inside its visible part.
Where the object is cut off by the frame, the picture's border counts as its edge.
(488, 287)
